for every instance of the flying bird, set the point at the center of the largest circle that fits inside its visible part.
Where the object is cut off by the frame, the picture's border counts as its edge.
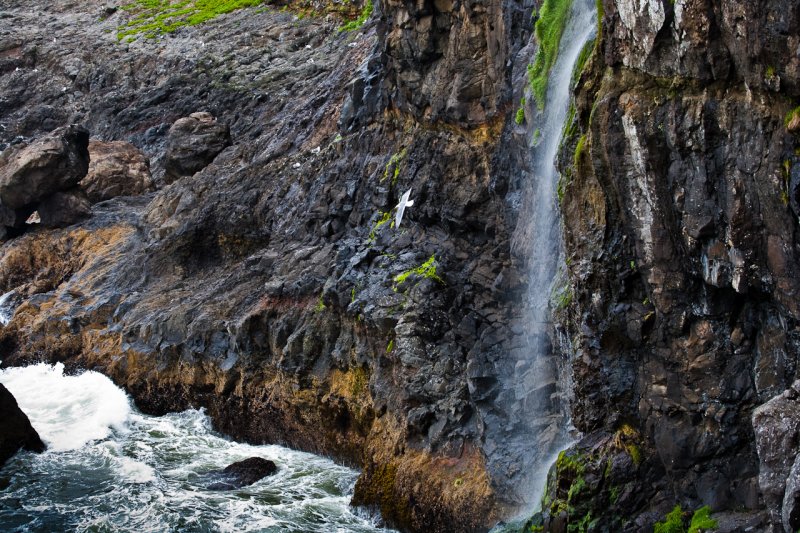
(401, 207)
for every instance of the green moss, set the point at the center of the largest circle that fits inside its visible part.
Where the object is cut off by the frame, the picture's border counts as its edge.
(394, 166)
(673, 523)
(320, 305)
(580, 148)
(635, 453)
(426, 270)
(520, 116)
(586, 52)
(770, 71)
(385, 217)
(549, 28)
(702, 521)
(791, 116)
(613, 494)
(537, 135)
(390, 346)
(570, 124)
(152, 18)
(366, 12)
(599, 5)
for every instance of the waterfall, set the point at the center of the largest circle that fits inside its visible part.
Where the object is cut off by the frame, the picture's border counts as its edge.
(529, 423)
(539, 386)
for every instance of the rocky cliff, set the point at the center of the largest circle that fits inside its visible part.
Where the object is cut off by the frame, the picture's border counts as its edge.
(680, 220)
(265, 281)
(271, 287)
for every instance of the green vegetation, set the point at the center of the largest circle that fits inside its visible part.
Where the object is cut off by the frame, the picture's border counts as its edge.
(394, 163)
(520, 117)
(386, 216)
(366, 12)
(586, 52)
(390, 346)
(152, 18)
(549, 28)
(580, 148)
(537, 135)
(599, 5)
(320, 305)
(702, 521)
(426, 270)
(792, 116)
(674, 521)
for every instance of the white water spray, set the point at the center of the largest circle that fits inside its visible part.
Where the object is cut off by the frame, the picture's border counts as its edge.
(111, 468)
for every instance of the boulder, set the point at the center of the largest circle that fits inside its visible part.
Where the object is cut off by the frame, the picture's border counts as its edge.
(56, 162)
(64, 208)
(242, 473)
(116, 168)
(16, 431)
(193, 142)
(777, 430)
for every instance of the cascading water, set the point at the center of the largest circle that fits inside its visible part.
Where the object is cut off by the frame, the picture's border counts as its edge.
(537, 424)
(111, 468)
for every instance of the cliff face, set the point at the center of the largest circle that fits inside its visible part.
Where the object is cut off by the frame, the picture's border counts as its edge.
(680, 222)
(270, 287)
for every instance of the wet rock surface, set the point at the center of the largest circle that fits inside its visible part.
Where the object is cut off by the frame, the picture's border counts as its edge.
(777, 431)
(267, 286)
(16, 432)
(681, 241)
(242, 473)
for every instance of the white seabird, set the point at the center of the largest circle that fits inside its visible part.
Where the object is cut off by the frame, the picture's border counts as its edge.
(401, 207)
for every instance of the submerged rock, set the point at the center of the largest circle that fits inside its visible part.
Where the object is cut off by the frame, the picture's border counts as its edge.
(242, 473)
(193, 143)
(16, 431)
(116, 168)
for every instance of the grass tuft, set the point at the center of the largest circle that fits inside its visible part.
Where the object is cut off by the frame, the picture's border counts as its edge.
(549, 28)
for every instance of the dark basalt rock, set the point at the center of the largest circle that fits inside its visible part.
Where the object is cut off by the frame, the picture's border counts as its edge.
(242, 473)
(53, 163)
(64, 208)
(777, 432)
(193, 142)
(16, 431)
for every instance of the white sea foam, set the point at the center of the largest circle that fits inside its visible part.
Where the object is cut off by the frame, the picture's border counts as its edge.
(67, 411)
(111, 468)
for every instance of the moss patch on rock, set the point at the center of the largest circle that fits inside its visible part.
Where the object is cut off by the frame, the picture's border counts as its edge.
(152, 18)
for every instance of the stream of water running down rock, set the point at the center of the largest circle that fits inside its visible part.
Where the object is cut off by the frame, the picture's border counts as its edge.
(540, 390)
(110, 468)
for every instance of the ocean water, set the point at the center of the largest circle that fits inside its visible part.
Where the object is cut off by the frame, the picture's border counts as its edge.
(110, 468)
